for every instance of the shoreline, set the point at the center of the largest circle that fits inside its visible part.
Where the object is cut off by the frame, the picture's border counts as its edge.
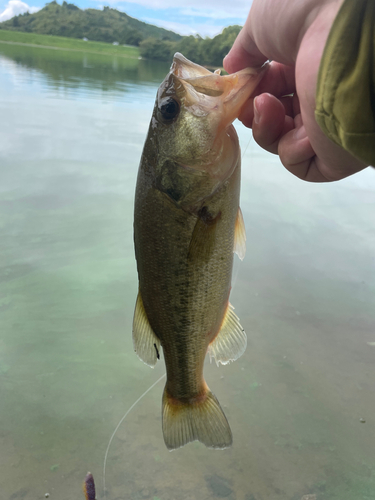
(67, 49)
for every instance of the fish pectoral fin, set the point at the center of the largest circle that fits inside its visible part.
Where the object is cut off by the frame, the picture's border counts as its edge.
(203, 239)
(201, 420)
(146, 343)
(240, 236)
(231, 341)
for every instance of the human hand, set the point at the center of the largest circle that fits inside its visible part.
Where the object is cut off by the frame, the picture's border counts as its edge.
(292, 35)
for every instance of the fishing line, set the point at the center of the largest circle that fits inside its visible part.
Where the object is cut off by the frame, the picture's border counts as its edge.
(157, 381)
(235, 269)
(236, 262)
(244, 151)
(118, 425)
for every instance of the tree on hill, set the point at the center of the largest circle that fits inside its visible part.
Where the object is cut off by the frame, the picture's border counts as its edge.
(110, 25)
(160, 50)
(107, 25)
(70, 6)
(206, 51)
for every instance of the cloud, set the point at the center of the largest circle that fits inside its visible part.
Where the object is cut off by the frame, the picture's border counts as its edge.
(213, 9)
(206, 20)
(15, 7)
(217, 12)
(203, 29)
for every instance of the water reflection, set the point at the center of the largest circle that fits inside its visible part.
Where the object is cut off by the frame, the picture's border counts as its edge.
(67, 73)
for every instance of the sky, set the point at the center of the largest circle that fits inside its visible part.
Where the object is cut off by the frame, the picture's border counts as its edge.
(182, 16)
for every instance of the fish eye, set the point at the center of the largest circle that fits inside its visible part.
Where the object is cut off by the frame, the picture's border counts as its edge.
(169, 109)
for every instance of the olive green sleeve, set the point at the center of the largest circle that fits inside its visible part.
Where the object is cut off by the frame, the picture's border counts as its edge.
(345, 97)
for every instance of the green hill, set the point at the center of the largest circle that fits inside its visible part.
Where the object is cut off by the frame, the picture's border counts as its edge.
(110, 25)
(206, 51)
(107, 25)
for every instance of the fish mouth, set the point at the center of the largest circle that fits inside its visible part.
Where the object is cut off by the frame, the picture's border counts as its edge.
(207, 104)
(213, 91)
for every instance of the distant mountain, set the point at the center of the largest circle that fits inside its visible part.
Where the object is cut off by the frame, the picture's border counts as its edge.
(107, 25)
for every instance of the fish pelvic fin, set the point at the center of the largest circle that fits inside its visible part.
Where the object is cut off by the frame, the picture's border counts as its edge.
(240, 236)
(231, 341)
(146, 343)
(201, 420)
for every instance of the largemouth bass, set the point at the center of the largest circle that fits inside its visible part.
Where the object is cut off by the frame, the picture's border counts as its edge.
(187, 223)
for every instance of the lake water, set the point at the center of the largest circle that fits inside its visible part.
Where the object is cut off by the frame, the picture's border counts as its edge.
(71, 134)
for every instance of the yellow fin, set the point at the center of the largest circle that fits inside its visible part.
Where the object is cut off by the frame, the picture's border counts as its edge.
(231, 341)
(201, 420)
(240, 236)
(146, 343)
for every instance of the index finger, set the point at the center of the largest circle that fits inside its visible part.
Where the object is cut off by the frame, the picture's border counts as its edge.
(279, 80)
(244, 53)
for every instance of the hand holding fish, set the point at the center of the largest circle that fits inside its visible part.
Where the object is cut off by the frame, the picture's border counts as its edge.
(293, 35)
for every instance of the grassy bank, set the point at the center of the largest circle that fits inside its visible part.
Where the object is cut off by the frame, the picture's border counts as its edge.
(63, 43)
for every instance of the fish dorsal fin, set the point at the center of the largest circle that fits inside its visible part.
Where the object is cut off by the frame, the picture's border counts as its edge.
(146, 343)
(230, 343)
(240, 236)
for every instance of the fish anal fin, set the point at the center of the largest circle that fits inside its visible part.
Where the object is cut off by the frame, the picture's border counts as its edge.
(203, 239)
(230, 343)
(146, 343)
(200, 420)
(240, 236)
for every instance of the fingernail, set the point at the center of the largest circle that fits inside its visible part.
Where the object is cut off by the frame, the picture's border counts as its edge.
(225, 62)
(256, 112)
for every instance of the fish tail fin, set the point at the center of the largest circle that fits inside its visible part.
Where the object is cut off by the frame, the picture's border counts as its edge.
(202, 420)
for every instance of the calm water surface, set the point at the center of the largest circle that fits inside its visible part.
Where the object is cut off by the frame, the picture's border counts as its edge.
(71, 134)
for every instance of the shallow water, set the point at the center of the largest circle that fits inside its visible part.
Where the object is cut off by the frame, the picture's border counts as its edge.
(71, 135)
